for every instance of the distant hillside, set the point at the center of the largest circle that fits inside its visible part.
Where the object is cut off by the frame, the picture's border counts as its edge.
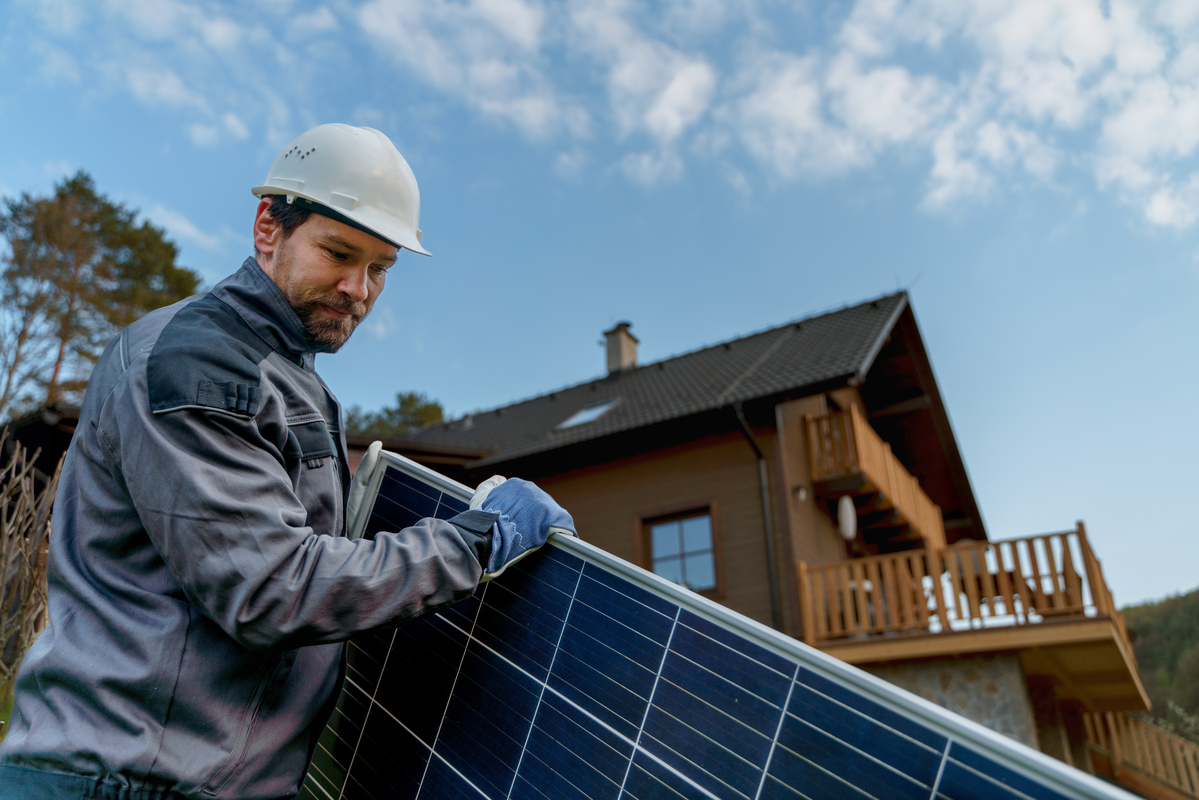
(1167, 650)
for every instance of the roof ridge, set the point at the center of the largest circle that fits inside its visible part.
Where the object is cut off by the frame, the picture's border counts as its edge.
(792, 322)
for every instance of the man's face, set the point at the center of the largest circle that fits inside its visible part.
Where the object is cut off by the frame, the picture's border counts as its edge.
(331, 274)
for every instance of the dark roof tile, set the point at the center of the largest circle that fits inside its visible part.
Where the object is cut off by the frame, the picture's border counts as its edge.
(782, 359)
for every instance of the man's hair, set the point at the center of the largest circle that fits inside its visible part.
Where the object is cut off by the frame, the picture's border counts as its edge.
(289, 215)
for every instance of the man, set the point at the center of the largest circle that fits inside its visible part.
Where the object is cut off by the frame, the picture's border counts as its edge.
(201, 585)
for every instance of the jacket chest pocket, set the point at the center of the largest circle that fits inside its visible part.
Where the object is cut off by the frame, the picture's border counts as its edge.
(309, 442)
(316, 478)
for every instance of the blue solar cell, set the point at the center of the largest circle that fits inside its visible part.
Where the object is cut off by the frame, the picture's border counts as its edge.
(884, 716)
(737, 642)
(622, 587)
(569, 755)
(488, 720)
(388, 761)
(449, 506)
(737, 669)
(863, 733)
(523, 615)
(964, 768)
(844, 761)
(697, 755)
(442, 782)
(648, 779)
(614, 689)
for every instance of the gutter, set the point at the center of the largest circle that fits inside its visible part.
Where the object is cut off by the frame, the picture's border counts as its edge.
(775, 615)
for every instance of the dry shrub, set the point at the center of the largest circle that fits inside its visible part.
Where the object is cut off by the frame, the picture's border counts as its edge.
(26, 498)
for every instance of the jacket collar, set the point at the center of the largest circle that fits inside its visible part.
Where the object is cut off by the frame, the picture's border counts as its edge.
(259, 302)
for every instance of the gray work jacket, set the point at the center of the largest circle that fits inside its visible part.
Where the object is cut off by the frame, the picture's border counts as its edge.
(200, 581)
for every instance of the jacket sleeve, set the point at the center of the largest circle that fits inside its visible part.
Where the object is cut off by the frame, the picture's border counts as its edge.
(215, 498)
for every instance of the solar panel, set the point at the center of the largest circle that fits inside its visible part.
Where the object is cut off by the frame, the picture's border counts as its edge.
(578, 675)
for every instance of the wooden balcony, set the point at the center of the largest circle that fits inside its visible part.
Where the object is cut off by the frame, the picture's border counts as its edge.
(848, 457)
(1043, 596)
(1143, 757)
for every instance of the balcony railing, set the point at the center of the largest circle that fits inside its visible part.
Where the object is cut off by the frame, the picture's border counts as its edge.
(1130, 750)
(843, 445)
(968, 586)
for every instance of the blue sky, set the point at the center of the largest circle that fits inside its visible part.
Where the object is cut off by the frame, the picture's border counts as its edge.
(1027, 169)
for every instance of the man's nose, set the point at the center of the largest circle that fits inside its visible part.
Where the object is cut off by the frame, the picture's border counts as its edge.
(354, 285)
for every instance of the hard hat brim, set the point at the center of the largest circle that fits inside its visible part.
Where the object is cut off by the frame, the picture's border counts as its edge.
(316, 207)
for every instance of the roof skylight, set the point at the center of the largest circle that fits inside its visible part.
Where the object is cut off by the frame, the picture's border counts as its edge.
(588, 413)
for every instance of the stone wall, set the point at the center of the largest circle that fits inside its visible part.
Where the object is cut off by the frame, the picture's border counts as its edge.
(989, 689)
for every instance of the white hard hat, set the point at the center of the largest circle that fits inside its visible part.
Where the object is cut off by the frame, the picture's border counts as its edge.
(352, 175)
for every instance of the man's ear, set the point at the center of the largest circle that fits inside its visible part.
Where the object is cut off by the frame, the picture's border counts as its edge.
(267, 232)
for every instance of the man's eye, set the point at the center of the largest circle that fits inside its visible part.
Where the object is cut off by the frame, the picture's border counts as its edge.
(338, 255)
(379, 270)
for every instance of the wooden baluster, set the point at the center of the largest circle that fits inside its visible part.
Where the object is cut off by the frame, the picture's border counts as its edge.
(878, 604)
(990, 593)
(860, 605)
(1191, 757)
(836, 628)
(935, 569)
(1058, 599)
(1117, 743)
(807, 602)
(895, 611)
(1003, 580)
(1038, 590)
(847, 610)
(1071, 578)
(966, 558)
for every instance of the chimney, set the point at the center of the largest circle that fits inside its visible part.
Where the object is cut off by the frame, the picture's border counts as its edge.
(622, 348)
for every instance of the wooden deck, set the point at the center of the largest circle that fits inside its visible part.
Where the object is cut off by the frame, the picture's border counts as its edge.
(1044, 596)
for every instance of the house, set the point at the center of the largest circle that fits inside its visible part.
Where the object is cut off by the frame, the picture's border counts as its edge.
(807, 476)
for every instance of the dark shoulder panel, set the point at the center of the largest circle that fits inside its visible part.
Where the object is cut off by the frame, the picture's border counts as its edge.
(206, 357)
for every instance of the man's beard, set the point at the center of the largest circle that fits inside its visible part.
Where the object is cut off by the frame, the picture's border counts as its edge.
(322, 330)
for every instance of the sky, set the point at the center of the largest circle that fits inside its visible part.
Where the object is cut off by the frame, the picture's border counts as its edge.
(1028, 170)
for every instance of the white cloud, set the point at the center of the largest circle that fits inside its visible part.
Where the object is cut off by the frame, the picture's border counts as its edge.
(180, 227)
(486, 53)
(380, 323)
(781, 119)
(1175, 207)
(162, 87)
(651, 86)
(651, 169)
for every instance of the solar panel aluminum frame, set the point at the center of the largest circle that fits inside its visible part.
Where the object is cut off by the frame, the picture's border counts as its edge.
(1020, 759)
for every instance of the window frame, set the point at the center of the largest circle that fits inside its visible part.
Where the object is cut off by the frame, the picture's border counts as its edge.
(643, 540)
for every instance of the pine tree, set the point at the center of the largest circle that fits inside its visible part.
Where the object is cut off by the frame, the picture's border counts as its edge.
(78, 268)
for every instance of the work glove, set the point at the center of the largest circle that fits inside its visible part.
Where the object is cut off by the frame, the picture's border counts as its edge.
(526, 518)
(358, 488)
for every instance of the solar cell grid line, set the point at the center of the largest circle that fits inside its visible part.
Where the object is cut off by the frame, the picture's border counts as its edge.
(578, 675)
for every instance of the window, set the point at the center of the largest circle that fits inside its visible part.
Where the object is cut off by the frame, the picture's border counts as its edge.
(588, 413)
(681, 550)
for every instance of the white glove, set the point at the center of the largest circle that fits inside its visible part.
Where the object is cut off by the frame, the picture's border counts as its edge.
(484, 489)
(362, 480)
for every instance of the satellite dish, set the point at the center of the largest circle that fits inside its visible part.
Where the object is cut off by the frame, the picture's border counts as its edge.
(847, 518)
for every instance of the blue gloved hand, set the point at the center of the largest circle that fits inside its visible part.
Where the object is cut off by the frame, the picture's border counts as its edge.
(527, 516)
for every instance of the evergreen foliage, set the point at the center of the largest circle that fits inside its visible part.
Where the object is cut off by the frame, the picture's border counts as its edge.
(78, 267)
(411, 412)
(1167, 652)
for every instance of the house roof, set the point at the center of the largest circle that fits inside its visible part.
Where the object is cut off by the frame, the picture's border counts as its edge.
(815, 350)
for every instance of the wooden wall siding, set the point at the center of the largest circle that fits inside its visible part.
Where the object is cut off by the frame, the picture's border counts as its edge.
(1124, 747)
(609, 502)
